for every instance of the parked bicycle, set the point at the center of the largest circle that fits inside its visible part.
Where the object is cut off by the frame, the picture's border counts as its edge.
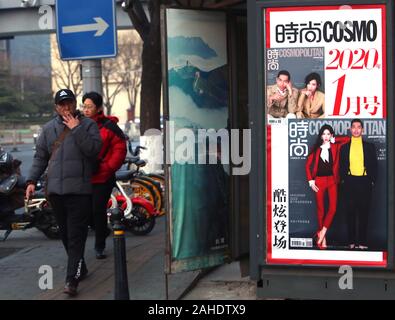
(149, 186)
(138, 213)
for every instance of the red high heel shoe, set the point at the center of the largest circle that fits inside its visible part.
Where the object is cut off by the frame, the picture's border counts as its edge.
(316, 238)
(323, 244)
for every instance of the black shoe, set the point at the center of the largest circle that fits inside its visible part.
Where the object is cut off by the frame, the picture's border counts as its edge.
(100, 254)
(70, 288)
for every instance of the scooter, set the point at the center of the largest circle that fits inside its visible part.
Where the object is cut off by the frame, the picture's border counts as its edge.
(38, 212)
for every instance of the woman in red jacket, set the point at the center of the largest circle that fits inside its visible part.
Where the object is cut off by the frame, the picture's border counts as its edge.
(322, 170)
(110, 159)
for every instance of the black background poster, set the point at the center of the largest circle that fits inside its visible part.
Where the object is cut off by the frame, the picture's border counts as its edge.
(302, 203)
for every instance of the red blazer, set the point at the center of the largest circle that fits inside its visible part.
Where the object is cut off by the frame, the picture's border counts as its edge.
(113, 151)
(313, 159)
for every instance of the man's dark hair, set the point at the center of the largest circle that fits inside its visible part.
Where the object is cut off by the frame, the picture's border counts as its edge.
(357, 120)
(285, 73)
(313, 76)
(95, 97)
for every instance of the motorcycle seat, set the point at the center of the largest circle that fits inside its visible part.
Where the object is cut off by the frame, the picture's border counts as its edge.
(8, 184)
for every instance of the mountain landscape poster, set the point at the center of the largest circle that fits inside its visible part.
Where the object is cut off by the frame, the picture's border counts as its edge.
(198, 93)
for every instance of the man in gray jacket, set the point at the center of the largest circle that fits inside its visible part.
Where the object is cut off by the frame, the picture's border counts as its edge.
(68, 147)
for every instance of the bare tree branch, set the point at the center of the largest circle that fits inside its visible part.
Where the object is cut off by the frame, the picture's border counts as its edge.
(66, 74)
(120, 74)
(151, 67)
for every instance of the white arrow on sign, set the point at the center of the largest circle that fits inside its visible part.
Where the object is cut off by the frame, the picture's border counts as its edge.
(100, 27)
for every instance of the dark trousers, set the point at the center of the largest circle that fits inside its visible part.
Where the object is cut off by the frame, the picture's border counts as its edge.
(358, 194)
(100, 196)
(72, 214)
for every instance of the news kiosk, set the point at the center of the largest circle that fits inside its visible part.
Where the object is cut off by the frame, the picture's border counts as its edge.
(321, 212)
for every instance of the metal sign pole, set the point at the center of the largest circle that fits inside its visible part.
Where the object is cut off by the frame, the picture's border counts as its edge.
(92, 75)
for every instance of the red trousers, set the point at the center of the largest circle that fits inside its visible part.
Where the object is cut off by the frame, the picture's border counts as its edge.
(326, 184)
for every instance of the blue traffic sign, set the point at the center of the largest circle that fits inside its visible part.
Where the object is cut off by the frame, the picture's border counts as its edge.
(86, 29)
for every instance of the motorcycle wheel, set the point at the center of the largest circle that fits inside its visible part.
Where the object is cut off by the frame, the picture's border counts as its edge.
(47, 224)
(142, 223)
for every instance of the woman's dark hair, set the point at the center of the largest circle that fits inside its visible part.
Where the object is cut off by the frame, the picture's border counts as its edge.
(318, 141)
(95, 97)
(313, 76)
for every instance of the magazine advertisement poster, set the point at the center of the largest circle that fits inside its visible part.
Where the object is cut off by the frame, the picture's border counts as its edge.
(325, 73)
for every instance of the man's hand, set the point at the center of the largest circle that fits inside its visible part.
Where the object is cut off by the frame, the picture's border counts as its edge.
(31, 188)
(70, 121)
(273, 98)
(289, 87)
(276, 97)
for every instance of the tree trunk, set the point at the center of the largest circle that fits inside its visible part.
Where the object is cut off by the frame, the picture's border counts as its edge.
(151, 77)
(151, 81)
(131, 113)
(108, 109)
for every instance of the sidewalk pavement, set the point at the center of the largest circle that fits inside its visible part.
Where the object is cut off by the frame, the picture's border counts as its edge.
(223, 283)
(23, 253)
(145, 271)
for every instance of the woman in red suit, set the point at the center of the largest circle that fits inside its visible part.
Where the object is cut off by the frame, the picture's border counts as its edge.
(322, 170)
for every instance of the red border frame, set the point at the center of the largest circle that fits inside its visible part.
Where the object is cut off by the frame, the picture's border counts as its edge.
(269, 257)
(356, 263)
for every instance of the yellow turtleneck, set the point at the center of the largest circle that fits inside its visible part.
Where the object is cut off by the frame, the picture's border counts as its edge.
(357, 167)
